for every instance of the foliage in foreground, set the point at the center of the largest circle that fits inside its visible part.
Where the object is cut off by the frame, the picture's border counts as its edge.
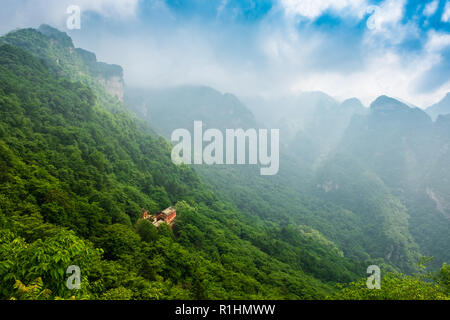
(395, 286)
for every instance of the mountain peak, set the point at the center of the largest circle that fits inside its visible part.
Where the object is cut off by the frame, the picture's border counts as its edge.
(352, 103)
(396, 112)
(53, 33)
(440, 108)
(58, 51)
(384, 103)
(318, 96)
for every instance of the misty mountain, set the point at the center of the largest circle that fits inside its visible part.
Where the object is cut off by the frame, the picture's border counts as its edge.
(356, 186)
(359, 194)
(393, 140)
(312, 115)
(346, 182)
(408, 152)
(440, 108)
(77, 170)
(60, 55)
(172, 108)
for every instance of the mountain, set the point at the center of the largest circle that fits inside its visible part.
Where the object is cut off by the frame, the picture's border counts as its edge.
(353, 106)
(440, 108)
(59, 54)
(77, 170)
(329, 123)
(172, 108)
(292, 195)
(407, 151)
(391, 139)
(315, 115)
(387, 151)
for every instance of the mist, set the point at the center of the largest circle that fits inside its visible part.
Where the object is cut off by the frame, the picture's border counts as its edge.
(269, 50)
(224, 150)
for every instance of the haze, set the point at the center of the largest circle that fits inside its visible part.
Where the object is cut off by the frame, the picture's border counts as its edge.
(268, 49)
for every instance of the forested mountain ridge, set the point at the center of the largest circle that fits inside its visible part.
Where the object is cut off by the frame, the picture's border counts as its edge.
(74, 179)
(357, 218)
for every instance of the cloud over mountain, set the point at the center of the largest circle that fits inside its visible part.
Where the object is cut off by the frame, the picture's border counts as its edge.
(346, 48)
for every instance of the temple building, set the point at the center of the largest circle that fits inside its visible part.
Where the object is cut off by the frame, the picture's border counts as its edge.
(168, 216)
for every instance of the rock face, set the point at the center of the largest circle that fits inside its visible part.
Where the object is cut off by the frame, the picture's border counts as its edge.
(110, 76)
(114, 86)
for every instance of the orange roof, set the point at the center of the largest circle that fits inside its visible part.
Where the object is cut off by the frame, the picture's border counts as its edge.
(169, 211)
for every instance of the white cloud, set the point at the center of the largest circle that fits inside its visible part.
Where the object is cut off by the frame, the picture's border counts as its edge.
(387, 15)
(266, 59)
(437, 41)
(32, 13)
(314, 8)
(430, 8)
(446, 15)
(117, 8)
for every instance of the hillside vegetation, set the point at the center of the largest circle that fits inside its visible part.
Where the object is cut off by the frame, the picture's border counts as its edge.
(77, 168)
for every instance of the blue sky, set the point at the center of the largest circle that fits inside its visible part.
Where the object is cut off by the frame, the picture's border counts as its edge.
(268, 48)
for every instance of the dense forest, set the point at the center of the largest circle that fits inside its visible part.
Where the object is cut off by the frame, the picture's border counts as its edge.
(77, 167)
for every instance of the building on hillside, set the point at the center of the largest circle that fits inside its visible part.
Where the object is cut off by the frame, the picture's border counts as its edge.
(145, 214)
(168, 216)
